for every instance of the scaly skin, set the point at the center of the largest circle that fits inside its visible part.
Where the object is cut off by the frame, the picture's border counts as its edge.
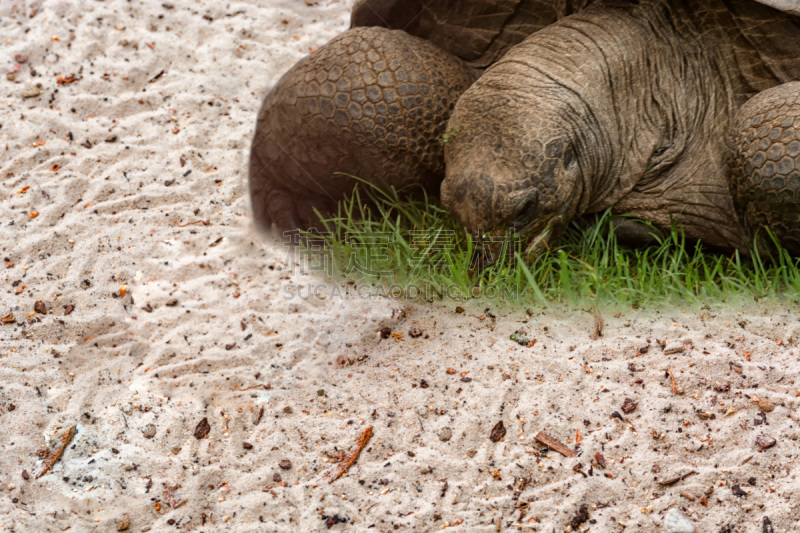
(372, 103)
(764, 163)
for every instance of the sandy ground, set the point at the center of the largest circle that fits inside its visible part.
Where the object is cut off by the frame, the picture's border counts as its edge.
(124, 138)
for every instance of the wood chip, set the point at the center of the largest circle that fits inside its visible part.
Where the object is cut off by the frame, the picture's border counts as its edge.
(554, 444)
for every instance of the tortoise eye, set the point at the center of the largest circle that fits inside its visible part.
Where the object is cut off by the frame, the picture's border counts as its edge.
(658, 152)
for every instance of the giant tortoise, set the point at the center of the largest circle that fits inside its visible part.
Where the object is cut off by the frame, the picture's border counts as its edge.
(524, 114)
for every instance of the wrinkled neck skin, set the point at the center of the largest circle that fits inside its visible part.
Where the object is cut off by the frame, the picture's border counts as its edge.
(639, 105)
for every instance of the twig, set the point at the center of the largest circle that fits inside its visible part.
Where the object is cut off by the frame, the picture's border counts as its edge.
(188, 223)
(266, 387)
(345, 465)
(53, 458)
(673, 480)
(675, 389)
(554, 444)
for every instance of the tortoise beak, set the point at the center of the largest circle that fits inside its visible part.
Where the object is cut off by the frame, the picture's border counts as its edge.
(548, 236)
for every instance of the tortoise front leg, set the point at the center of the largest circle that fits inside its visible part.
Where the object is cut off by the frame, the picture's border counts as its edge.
(764, 163)
(373, 103)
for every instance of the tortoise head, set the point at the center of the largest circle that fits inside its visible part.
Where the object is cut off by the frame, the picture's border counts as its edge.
(512, 168)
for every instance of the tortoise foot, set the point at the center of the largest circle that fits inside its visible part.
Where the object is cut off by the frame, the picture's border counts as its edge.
(372, 103)
(764, 163)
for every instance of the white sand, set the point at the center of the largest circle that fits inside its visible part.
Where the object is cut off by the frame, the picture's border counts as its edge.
(106, 217)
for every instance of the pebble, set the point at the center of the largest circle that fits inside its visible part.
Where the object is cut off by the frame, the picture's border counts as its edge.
(149, 431)
(445, 434)
(765, 441)
(31, 91)
(766, 405)
(673, 347)
(286, 464)
(675, 522)
(123, 524)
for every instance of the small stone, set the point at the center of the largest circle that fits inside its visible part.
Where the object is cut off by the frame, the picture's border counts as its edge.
(149, 431)
(288, 410)
(247, 446)
(765, 441)
(202, 429)
(629, 406)
(123, 524)
(737, 491)
(285, 464)
(766, 405)
(459, 309)
(25, 475)
(40, 308)
(385, 333)
(276, 477)
(675, 522)
(673, 348)
(445, 434)
(172, 303)
(176, 450)
(31, 91)
(415, 332)
(498, 432)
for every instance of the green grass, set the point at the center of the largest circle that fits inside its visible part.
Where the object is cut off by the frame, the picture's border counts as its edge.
(416, 249)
